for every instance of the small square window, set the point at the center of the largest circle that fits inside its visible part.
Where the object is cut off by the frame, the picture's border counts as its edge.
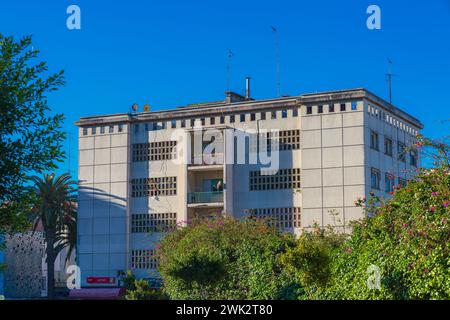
(354, 105)
(242, 117)
(252, 116)
(85, 131)
(319, 109)
(284, 113)
(173, 124)
(294, 112)
(263, 116)
(342, 106)
(273, 114)
(309, 110)
(331, 108)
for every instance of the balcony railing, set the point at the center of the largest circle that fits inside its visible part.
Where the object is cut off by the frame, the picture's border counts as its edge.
(205, 197)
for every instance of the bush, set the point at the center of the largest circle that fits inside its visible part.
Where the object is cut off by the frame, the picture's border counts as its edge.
(406, 237)
(226, 258)
(140, 289)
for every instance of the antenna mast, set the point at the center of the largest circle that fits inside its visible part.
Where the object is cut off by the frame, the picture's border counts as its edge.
(389, 79)
(277, 58)
(230, 55)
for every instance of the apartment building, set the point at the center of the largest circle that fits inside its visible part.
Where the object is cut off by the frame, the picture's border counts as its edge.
(143, 173)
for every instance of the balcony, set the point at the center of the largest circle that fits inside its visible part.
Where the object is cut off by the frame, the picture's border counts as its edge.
(213, 197)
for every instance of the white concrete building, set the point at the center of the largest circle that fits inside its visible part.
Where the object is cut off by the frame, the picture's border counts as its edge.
(137, 180)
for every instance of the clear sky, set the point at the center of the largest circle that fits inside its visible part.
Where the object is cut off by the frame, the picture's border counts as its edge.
(172, 53)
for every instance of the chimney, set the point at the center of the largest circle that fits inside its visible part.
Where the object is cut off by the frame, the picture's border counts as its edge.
(247, 88)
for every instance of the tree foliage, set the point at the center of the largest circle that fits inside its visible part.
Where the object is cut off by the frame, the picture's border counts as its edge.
(30, 138)
(225, 258)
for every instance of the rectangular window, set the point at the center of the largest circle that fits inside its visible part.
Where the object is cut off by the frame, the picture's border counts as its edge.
(111, 129)
(222, 119)
(331, 108)
(309, 110)
(342, 106)
(136, 128)
(163, 125)
(388, 147)
(173, 124)
(281, 179)
(401, 150)
(280, 218)
(284, 113)
(252, 117)
(263, 116)
(354, 105)
(375, 179)
(295, 112)
(102, 129)
(151, 187)
(153, 222)
(144, 259)
(154, 151)
(183, 123)
(212, 121)
(120, 128)
(202, 121)
(374, 140)
(413, 158)
(388, 183)
(402, 182)
(242, 117)
(85, 131)
(94, 130)
(319, 109)
(273, 115)
(232, 119)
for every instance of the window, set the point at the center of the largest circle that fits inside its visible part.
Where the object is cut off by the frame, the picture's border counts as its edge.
(263, 116)
(309, 110)
(154, 151)
(285, 140)
(354, 105)
(284, 113)
(281, 179)
(242, 117)
(319, 109)
(388, 147)
(120, 128)
(413, 158)
(173, 124)
(281, 218)
(212, 121)
(331, 108)
(388, 182)
(94, 130)
(401, 150)
(232, 118)
(342, 106)
(163, 125)
(222, 119)
(136, 128)
(295, 112)
(102, 129)
(156, 186)
(183, 123)
(402, 182)
(252, 117)
(153, 222)
(202, 121)
(144, 259)
(374, 140)
(273, 114)
(375, 179)
(111, 129)
(85, 132)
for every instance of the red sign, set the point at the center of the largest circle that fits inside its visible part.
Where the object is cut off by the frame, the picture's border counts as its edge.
(101, 280)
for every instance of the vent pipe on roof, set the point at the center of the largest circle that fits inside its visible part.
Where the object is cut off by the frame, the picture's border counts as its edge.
(247, 88)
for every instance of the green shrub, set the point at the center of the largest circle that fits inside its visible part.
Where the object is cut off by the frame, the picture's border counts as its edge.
(140, 289)
(226, 258)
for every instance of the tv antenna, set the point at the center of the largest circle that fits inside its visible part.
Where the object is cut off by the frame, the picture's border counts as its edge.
(389, 76)
(230, 55)
(277, 57)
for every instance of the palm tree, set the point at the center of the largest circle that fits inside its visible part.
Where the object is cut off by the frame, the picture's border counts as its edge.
(55, 210)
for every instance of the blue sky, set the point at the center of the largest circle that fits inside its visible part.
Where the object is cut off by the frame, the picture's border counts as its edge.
(171, 53)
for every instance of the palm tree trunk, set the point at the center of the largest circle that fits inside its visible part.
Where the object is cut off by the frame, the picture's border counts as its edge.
(50, 239)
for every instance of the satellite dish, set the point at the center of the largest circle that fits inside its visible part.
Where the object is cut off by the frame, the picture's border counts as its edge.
(135, 107)
(146, 107)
